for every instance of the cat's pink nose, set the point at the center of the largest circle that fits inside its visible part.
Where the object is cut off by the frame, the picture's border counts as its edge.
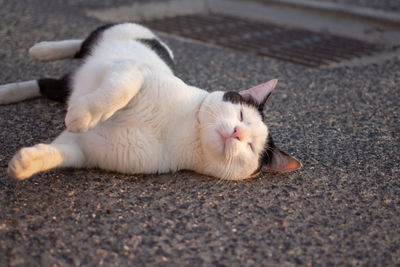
(240, 133)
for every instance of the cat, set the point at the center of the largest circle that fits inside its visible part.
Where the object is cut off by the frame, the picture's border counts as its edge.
(128, 112)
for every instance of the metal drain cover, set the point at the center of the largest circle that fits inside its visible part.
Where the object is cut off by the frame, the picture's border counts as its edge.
(299, 46)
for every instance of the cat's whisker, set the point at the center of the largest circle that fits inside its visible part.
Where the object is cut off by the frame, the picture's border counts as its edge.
(226, 174)
(220, 180)
(212, 114)
(207, 127)
(212, 110)
(208, 124)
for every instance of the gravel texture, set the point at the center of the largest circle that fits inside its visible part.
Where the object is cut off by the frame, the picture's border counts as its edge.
(342, 208)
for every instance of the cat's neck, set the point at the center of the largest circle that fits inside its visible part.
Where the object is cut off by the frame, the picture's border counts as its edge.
(186, 144)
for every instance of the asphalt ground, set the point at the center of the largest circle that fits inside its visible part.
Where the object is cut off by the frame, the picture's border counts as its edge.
(342, 208)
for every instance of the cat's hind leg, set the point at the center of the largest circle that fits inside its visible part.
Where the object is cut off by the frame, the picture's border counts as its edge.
(63, 152)
(55, 50)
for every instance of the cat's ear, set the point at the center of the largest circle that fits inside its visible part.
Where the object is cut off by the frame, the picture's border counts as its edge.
(259, 93)
(281, 162)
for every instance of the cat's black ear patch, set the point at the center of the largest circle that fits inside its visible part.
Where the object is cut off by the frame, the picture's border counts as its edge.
(236, 98)
(268, 152)
(275, 160)
(233, 97)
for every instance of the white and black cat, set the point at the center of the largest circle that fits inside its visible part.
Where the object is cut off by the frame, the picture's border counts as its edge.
(127, 112)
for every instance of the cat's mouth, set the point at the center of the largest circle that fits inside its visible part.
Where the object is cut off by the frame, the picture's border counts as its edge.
(226, 143)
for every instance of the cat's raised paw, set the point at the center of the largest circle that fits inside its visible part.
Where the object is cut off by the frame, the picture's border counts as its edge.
(81, 117)
(78, 119)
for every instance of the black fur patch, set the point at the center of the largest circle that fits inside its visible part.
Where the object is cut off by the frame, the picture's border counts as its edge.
(267, 154)
(268, 150)
(159, 49)
(236, 98)
(55, 89)
(91, 41)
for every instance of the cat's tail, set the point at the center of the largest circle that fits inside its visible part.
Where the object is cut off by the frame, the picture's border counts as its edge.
(55, 89)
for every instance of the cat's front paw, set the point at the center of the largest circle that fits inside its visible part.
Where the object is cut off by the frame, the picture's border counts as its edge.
(26, 162)
(81, 116)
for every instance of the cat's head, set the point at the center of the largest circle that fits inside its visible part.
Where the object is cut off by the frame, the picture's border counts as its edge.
(236, 142)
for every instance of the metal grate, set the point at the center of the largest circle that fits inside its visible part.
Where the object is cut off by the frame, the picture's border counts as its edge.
(299, 46)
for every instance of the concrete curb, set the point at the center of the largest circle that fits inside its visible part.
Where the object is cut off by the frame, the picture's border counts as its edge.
(364, 12)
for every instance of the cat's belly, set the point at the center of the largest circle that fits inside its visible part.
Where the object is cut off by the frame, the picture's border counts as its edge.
(124, 149)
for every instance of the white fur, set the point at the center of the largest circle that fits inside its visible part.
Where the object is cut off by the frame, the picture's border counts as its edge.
(15, 92)
(129, 113)
(54, 50)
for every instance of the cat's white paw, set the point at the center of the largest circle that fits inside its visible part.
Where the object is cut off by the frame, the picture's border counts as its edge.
(27, 161)
(81, 117)
(43, 51)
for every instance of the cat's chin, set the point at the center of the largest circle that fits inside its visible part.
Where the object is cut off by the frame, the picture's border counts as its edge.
(231, 148)
(228, 147)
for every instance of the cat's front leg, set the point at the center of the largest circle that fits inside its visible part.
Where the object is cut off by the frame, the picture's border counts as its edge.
(63, 152)
(119, 86)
